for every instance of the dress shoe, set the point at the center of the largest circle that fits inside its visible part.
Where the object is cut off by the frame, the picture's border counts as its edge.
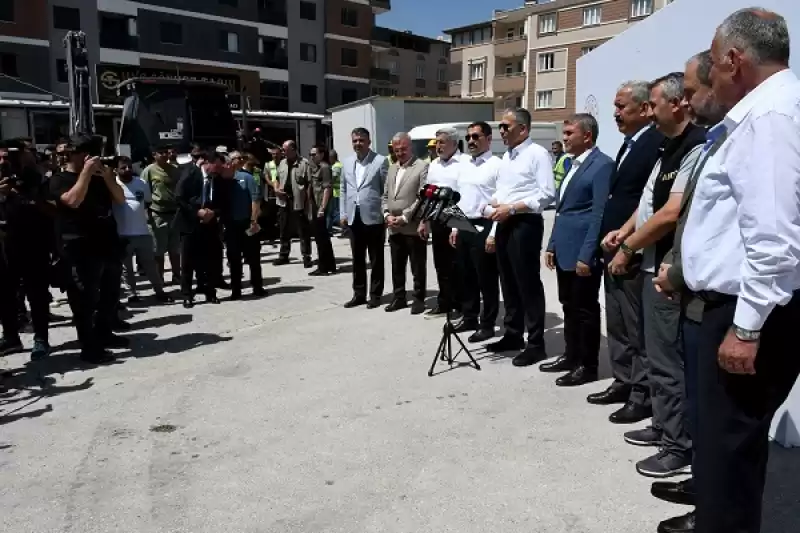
(665, 464)
(212, 299)
(609, 396)
(648, 436)
(114, 341)
(164, 298)
(396, 305)
(505, 344)
(308, 263)
(679, 524)
(10, 346)
(120, 325)
(483, 334)
(580, 376)
(562, 364)
(259, 292)
(373, 303)
(355, 301)
(319, 272)
(631, 413)
(97, 357)
(436, 312)
(281, 261)
(188, 303)
(464, 326)
(529, 356)
(681, 493)
(417, 307)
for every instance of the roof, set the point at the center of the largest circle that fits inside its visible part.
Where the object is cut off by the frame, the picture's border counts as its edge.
(468, 27)
(422, 99)
(432, 40)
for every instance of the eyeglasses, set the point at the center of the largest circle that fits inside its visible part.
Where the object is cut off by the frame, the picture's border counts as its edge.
(473, 137)
(504, 127)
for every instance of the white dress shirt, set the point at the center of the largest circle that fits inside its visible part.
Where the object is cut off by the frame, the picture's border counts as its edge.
(361, 170)
(399, 179)
(633, 139)
(742, 236)
(477, 182)
(445, 173)
(576, 163)
(526, 175)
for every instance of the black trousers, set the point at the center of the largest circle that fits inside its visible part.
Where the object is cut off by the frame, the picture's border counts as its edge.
(27, 258)
(402, 248)
(326, 261)
(444, 261)
(478, 275)
(242, 248)
(519, 246)
(95, 270)
(367, 239)
(289, 221)
(580, 299)
(624, 326)
(199, 252)
(734, 416)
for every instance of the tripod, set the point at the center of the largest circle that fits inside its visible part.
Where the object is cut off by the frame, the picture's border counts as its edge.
(445, 350)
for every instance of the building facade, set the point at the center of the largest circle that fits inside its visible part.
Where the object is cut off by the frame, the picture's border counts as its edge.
(527, 56)
(404, 64)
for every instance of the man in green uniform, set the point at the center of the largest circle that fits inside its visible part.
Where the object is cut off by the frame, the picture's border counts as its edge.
(162, 178)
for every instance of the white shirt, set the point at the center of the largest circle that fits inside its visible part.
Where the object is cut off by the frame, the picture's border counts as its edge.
(131, 216)
(401, 172)
(742, 236)
(361, 170)
(477, 182)
(576, 163)
(445, 173)
(633, 139)
(526, 175)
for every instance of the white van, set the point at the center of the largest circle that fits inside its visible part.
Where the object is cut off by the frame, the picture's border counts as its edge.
(542, 133)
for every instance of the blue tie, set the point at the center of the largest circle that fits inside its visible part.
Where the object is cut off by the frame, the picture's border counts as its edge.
(567, 165)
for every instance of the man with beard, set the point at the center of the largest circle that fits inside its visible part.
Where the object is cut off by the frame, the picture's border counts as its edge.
(320, 194)
(162, 178)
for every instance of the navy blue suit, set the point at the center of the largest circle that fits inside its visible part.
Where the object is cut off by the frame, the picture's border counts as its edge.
(575, 237)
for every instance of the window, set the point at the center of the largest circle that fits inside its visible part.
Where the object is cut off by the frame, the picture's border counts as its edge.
(592, 15)
(274, 51)
(547, 62)
(476, 71)
(8, 65)
(61, 71)
(510, 33)
(308, 94)
(445, 53)
(544, 99)
(308, 52)
(393, 68)
(509, 69)
(349, 57)
(518, 101)
(441, 75)
(171, 33)
(275, 95)
(7, 11)
(308, 10)
(349, 95)
(586, 49)
(349, 17)
(641, 8)
(229, 41)
(420, 72)
(383, 91)
(66, 18)
(547, 23)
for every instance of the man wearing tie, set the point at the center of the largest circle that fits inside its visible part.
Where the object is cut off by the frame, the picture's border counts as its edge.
(635, 161)
(740, 255)
(573, 251)
(363, 180)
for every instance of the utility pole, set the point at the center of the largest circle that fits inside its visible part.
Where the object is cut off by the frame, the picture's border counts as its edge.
(79, 78)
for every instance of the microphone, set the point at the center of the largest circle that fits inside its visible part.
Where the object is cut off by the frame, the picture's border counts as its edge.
(431, 207)
(424, 196)
(447, 197)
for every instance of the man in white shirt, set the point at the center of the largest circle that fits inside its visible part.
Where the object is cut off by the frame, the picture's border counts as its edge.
(740, 251)
(443, 172)
(525, 187)
(477, 263)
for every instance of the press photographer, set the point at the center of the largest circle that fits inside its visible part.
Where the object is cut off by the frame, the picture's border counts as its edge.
(25, 237)
(84, 193)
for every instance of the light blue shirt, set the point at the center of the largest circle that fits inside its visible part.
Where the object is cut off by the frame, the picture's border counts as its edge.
(131, 216)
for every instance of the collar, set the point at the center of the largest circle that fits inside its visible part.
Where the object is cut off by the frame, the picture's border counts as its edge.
(203, 170)
(410, 162)
(584, 156)
(740, 111)
(455, 158)
(484, 157)
(635, 137)
(365, 158)
(514, 152)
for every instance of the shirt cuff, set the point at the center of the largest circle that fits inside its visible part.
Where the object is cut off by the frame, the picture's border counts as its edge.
(751, 316)
(488, 211)
(405, 219)
(493, 230)
(385, 215)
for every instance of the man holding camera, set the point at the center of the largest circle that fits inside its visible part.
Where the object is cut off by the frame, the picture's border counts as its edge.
(84, 193)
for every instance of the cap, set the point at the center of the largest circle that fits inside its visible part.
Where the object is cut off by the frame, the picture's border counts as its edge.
(12, 144)
(431, 143)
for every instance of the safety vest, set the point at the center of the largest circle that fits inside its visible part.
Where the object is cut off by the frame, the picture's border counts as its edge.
(272, 168)
(561, 169)
(336, 180)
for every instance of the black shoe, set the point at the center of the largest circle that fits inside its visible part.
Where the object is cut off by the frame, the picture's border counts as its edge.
(9, 346)
(212, 299)
(319, 272)
(665, 464)
(355, 301)
(609, 396)
(483, 334)
(236, 295)
(465, 325)
(679, 524)
(188, 303)
(681, 493)
(648, 436)
(308, 263)
(505, 344)
(223, 285)
(373, 303)
(97, 357)
(41, 349)
(529, 356)
(631, 413)
(164, 298)
(134, 299)
(396, 305)
(580, 376)
(114, 341)
(435, 312)
(260, 292)
(562, 364)
(281, 261)
(120, 325)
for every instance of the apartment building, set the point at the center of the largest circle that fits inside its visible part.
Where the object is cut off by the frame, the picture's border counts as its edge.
(527, 56)
(404, 64)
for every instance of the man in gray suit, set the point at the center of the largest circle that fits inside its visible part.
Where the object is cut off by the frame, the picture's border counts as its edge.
(363, 180)
(405, 178)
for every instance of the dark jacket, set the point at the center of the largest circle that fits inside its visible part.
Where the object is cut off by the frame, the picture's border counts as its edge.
(189, 194)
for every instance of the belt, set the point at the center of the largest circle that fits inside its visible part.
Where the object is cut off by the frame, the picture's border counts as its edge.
(712, 297)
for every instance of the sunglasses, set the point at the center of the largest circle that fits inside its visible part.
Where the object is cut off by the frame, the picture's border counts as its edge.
(473, 137)
(504, 127)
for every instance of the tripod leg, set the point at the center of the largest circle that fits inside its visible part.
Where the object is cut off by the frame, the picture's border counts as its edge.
(439, 353)
(466, 350)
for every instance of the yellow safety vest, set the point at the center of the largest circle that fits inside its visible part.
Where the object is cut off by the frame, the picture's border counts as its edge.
(272, 168)
(336, 172)
(560, 170)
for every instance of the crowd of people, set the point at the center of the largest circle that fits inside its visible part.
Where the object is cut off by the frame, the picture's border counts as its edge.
(692, 230)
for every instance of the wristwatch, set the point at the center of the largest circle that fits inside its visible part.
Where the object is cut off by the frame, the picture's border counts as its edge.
(512, 211)
(625, 249)
(746, 335)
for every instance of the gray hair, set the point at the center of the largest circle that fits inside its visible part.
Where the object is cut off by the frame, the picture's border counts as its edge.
(401, 136)
(703, 67)
(760, 34)
(585, 122)
(671, 85)
(450, 133)
(640, 90)
(521, 115)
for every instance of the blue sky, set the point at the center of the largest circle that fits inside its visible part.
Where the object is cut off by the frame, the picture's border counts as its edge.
(418, 15)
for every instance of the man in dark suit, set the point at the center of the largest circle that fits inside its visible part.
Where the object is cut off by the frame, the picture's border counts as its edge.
(573, 251)
(635, 161)
(201, 195)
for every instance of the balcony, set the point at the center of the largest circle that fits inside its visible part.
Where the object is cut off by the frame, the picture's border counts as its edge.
(511, 47)
(119, 41)
(510, 83)
(455, 88)
(380, 6)
(380, 74)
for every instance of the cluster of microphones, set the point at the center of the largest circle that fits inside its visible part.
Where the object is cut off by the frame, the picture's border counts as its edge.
(438, 204)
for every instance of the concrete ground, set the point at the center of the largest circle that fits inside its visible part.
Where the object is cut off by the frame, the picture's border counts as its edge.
(292, 414)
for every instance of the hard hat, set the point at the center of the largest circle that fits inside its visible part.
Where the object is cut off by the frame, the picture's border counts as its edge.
(431, 143)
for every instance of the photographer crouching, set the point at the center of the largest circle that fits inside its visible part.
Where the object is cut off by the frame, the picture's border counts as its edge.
(91, 250)
(25, 231)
